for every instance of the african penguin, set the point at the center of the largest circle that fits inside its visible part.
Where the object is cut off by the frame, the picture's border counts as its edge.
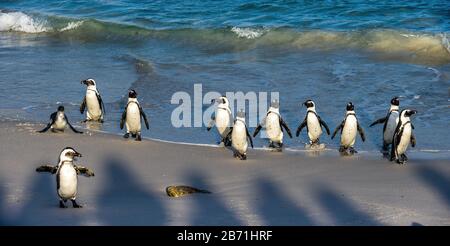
(390, 122)
(93, 101)
(132, 117)
(239, 136)
(349, 128)
(403, 136)
(58, 122)
(67, 176)
(274, 125)
(222, 119)
(313, 123)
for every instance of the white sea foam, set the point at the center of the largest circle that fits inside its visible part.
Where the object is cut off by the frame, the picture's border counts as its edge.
(248, 33)
(20, 22)
(72, 25)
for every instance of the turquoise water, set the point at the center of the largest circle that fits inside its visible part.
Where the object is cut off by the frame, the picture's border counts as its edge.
(360, 51)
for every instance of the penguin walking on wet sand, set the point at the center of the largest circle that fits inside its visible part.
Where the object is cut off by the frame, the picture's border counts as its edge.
(131, 117)
(274, 124)
(93, 101)
(313, 123)
(349, 128)
(403, 136)
(58, 122)
(67, 176)
(239, 137)
(222, 119)
(390, 122)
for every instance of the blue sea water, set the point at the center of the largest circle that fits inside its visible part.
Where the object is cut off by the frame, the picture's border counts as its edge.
(331, 51)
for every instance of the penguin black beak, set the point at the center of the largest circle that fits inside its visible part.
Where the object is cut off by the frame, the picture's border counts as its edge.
(83, 82)
(413, 112)
(77, 154)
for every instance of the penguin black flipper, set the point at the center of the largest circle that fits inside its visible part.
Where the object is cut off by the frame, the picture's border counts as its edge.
(361, 132)
(52, 121)
(249, 137)
(322, 123)
(84, 170)
(83, 106)
(71, 127)
(413, 140)
(47, 168)
(395, 141)
(100, 102)
(144, 116)
(258, 128)
(379, 121)
(300, 127)
(284, 125)
(337, 129)
(123, 118)
(211, 123)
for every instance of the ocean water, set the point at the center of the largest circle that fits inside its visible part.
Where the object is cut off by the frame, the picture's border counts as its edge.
(332, 52)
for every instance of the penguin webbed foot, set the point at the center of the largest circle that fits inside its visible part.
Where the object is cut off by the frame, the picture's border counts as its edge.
(352, 150)
(75, 204)
(126, 135)
(138, 137)
(62, 205)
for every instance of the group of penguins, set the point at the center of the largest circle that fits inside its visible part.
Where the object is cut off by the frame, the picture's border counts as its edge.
(397, 132)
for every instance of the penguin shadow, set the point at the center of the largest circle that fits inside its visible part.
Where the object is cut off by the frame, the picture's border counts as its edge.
(342, 210)
(126, 201)
(208, 209)
(276, 208)
(436, 180)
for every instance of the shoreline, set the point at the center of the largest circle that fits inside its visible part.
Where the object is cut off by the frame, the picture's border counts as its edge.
(269, 188)
(415, 153)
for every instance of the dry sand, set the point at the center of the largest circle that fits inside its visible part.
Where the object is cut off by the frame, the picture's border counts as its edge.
(267, 189)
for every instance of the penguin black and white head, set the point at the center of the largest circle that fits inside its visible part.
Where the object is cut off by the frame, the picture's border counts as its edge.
(68, 154)
(132, 94)
(350, 107)
(61, 109)
(89, 82)
(395, 101)
(221, 100)
(309, 103)
(241, 115)
(406, 113)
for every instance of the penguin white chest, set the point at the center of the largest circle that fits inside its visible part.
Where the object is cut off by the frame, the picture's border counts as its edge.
(314, 129)
(223, 121)
(67, 181)
(349, 131)
(404, 140)
(60, 122)
(93, 105)
(273, 128)
(390, 127)
(133, 118)
(239, 137)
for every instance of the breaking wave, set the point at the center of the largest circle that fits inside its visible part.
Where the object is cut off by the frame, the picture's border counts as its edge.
(422, 48)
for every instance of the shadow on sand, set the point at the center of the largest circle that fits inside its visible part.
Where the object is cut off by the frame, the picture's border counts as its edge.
(276, 208)
(341, 210)
(208, 209)
(126, 201)
(436, 180)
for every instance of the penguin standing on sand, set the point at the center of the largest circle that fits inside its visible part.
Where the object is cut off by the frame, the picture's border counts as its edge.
(390, 123)
(274, 125)
(58, 122)
(132, 117)
(313, 123)
(239, 136)
(93, 101)
(222, 119)
(349, 128)
(67, 176)
(403, 136)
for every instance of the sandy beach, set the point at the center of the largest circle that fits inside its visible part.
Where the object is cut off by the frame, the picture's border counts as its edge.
(269, 188)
